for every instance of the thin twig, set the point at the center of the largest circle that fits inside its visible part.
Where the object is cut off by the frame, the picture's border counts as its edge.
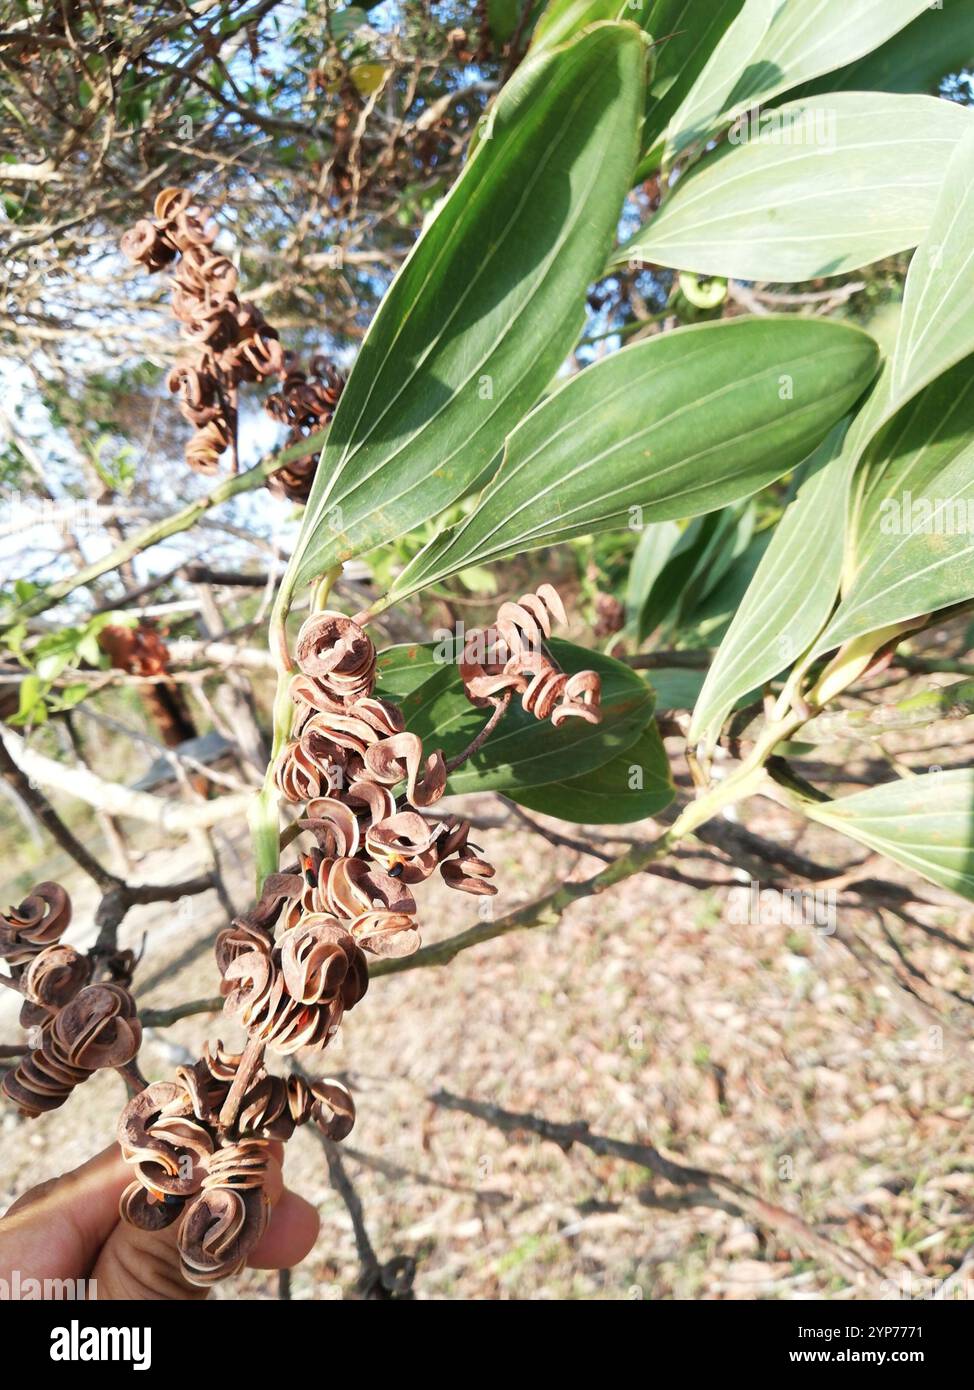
(500, 709)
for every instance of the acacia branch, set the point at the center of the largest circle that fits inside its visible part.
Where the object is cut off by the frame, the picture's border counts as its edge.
(30, 794)
(169, 526)
(162, 812)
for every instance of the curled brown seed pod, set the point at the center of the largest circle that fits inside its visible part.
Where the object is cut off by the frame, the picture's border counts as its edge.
(218, 1231)
(512, 657)
(231, 341)
(332, 1109)
(405, 843)
(369, 798)
(139, 1207)
(265, 1112)
(301, 777)
(207, 1082)
(321, 961)
(468, 871)
(99, 1028)
(306, 691)
(581, 697)
(42, 1080)
(39, 921)
(339, 655)
(241, 937)
(468, 874)
(55, 976)
(259, 997)
(386, 933)
(163, 1140)
(401, 756)
(348, 887)
(335, 740)
(242, 1166)
(145, 245)
(305, 403)
(335, 826)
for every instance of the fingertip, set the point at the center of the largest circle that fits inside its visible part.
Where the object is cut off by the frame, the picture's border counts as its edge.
(293, 1230)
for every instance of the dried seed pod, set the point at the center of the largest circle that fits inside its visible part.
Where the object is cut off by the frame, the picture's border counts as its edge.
(231, 340)
(301, 777)
(390, 934)
(42, 1080)
(339, 655)
(242, 1166)
(144, 244)
(298, 776)
(401, 756)
(218, 1231)
(321, 961)
(581, 698)
(99, 1028)
(139, 1207)
(348, 887)
(335, 826)
(166, 1144)
(513, 658)
(306, 691)
(369, 798)
(39, 921)
(305, 403)
(333, 1109)
(468, 874)
(405, 844)
(259, 997)
(55, 976)
(265, 1112)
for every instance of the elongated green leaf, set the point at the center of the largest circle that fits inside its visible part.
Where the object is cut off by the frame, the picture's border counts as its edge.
(631, 786)
(938, 42)
(676, 687)
(925, 823)
(810, 37)
(487, 304)
(705, 551)
(673, 427)
(522, 752)
(700, 112)
(686, 33)
(705, 624)
(649, 559)
(913, 534)
(816, 188)
(791, 594)
(937, 326)
(560, 20)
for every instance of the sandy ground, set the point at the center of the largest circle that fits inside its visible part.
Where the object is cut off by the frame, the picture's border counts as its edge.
(770, 1055)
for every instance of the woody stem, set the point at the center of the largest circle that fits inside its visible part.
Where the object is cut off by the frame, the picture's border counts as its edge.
(253, 1056)
(132, 1077)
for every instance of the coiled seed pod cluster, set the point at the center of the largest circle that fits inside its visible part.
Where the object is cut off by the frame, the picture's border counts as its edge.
(75, 1027)
(189, 1167)
(230, 343)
